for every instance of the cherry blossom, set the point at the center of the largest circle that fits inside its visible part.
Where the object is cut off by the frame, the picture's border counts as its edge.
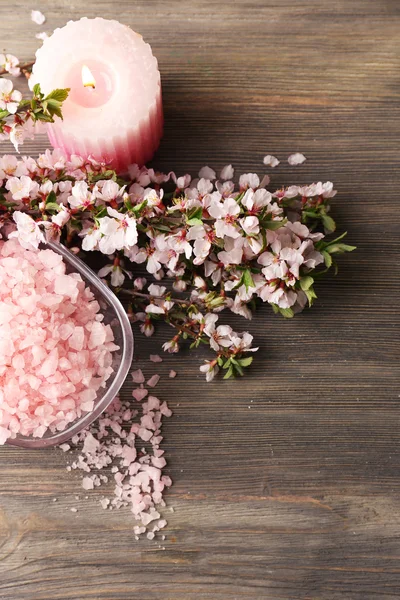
(270, 161)
(226, 214)
(118, 232)
(9, 63)
(9, 98)
(28, 232)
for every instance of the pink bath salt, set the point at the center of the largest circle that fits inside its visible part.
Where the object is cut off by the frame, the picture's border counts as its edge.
(137, 376)
(150, 535)
(152, 382)
(155, 358)
(65, 285)
(65, 447)
(145, 434)
(87, 483)
(164, 410)
(50, 365)
(97, 335)
(158, 462)
(172, 374)
(104, 502)
(77, 338)
(139, 394)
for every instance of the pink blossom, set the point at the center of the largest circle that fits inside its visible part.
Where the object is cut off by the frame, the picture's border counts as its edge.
(117, 274)
(118, 232)
(227, 173)
(210, 368)
(9, 98)
(38, 17)
(249, 180)
(233, 253)
(219, 336)
(28, 232)
(270, 161)
(226, 214)
(108, 190)
(243, 342)
(296, 159)
(81, 196)
(250, 225)
(9, 63)
(22, 187)
(207, 173)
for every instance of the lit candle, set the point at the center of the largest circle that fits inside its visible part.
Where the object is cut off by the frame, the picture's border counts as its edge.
(114, 109)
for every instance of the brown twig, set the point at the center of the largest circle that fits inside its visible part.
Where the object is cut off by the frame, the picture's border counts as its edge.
(25, 67)
(150, 297)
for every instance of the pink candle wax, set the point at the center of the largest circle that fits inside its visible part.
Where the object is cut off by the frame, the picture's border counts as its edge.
(114, 109)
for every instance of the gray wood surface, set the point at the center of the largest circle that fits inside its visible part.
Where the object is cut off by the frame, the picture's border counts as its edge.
(296, 498)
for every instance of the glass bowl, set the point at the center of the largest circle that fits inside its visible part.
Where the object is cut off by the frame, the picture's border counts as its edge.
(114, 315)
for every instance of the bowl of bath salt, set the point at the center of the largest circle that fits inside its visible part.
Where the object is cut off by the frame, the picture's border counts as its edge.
(66, 345)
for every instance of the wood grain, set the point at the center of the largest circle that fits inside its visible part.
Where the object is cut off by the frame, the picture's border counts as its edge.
(298, 496)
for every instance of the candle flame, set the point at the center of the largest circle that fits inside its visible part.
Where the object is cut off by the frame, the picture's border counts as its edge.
(87, 77)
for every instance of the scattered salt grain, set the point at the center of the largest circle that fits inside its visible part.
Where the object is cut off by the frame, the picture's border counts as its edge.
(155, 358)
(65, 447)
(38, 17)
(139, 394)
(138, 479)
(137, 376)
(172, 374)
(296, 159)
(152, 382)
(270, 161)
(74, 510)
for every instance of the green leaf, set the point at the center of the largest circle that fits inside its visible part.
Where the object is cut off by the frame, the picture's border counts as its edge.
(328, 223)
(306, 282)
(54, 108)
(227, 364)
(220, 361)
(311, 295)
(339, 248)
(327, 258)
(287, 312)
(272, 225)
(237, 368)
(245, 362)
(36, 89)
(229, 373)
(59, 95)
(4, 114)
(247, 279)
(193, 222)
(52, 207)
(275, 308)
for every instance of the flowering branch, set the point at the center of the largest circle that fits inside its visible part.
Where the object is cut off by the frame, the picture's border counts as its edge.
(221, 245)
(18, 116)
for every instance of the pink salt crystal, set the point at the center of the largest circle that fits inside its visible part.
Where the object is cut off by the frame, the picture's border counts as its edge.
(152, 382)
(4, 435)
(164, 410)
(77, 338)
(137, 376)
(97, 335)
(66, 286)
(104, 502)
(139, 394)
(162, 523)
(150, 535)
(158, 462)
(172, 374)
(74, 510)
(155, 358)
(145, 434)
(65, 447)
(87, 483)
(90, 444)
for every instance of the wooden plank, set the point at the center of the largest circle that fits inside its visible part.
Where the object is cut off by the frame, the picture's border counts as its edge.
(296, 497)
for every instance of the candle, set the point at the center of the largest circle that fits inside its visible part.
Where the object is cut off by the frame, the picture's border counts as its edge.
(114, 108)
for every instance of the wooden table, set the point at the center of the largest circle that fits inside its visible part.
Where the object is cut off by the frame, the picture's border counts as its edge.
(286, 483)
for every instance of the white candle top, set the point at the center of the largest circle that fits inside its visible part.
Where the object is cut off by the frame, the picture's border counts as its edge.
(125, 84)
